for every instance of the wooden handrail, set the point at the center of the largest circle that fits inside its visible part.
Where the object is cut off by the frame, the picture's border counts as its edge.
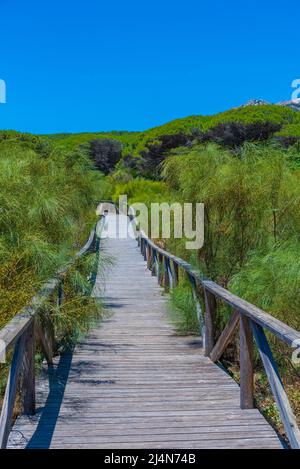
(281, 330)
(251, 319)
(19, 323)
(20, 333)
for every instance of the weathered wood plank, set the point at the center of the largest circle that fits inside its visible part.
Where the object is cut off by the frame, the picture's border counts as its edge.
(10, 392)
(210, 310)
(28, 372)
(278, 328)
(226, 337)
(246, 363)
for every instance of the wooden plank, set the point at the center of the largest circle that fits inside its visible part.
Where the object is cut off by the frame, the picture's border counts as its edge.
(246, 363)
(160, 273)
(175, 274)
(278, 328)
(10, 333)
(42, 336)
(201, 319)
(285, 410)
(226, 337)
(210, 310)
(28, 373)
(148, 256)
(167, 274)
(243, 443)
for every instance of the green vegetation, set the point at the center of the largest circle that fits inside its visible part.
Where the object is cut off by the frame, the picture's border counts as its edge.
(70, 142)
(47, 201)
(143, 151)
(182, 309)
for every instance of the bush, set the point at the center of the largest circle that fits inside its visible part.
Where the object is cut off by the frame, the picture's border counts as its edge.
(182, 309)
(141, 190)
(155, 153)
(250, 201)
(47, 210)
(105, 153)
(234, 134)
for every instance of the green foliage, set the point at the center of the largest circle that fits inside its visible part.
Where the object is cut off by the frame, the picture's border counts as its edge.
(252, 114)
(70, 142)
(251, 201)
(47, 209)
(234, 134)
(290, 130)
(193, 126)
(26, 140)
(79, 310)
(271, 279)
(144, 151)
(141, 190)
(182, 309)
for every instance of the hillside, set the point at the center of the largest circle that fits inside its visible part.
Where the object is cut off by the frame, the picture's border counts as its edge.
(135, 142)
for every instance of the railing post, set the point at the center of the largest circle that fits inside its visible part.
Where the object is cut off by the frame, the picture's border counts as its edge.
(160, 267)
(195, 285)
(153, 266)
(171, 275)
(142, 245)
(246, 363)
(176, 274)
(148, 257)
(44, 332)
(210, 310)
(10, 392)
(166, 273)
(28, 373)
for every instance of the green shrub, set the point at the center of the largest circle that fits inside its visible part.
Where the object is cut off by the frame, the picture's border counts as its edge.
(141, 190)
(47, 210)
(182, 309)
(251, 201)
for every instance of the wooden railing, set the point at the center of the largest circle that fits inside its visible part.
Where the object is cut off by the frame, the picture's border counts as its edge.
(252, 322)
(20, 336)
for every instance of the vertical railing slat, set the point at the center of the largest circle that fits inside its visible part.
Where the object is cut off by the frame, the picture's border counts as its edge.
(166, 281)
(199, 312)
(246, 363)
(28, 372)
(210, 310)
(11, 391)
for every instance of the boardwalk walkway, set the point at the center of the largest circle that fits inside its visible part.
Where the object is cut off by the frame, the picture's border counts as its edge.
(133, 383)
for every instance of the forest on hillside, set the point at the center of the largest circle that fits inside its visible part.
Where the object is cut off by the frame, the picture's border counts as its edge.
(243, 164)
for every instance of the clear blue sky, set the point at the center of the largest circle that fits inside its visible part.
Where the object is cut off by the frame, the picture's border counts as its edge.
(93, 65)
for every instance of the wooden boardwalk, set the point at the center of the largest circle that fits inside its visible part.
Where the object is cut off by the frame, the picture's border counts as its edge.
(133, 383)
